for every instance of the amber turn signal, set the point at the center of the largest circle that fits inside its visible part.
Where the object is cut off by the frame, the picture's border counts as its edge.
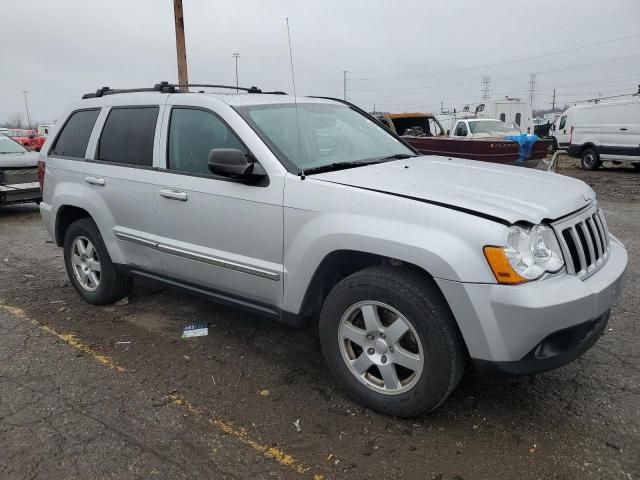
(500, 266)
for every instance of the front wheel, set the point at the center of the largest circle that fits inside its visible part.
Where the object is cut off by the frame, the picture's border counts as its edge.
(590, 160)
(89, 266)
(391, 341)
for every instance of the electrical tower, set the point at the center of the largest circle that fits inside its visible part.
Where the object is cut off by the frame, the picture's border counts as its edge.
(486, 87)
(532, 90)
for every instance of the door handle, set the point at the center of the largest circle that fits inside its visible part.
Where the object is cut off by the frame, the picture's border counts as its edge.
(95, 181)
(624, 129)
(174, 194)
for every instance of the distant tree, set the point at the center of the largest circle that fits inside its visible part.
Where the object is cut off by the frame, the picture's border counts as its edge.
(541, 111)
(14, 121)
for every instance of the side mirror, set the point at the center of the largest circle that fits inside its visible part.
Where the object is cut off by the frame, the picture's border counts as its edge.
(233, 163)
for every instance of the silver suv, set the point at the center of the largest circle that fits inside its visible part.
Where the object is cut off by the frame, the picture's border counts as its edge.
(309, 210)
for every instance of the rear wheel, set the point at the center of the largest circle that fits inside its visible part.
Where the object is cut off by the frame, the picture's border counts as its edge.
(590, 159)
(391, 341)
(89, 266)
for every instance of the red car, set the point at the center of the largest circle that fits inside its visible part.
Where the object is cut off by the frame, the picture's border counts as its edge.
(27, 138)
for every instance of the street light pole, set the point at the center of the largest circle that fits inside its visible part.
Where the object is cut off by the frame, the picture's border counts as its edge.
(26, 105)
(183, 78)
(236, 56)
(344, 94)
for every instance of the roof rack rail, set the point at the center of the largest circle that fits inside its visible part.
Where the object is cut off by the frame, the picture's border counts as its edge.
(166, 87)
(230, 87)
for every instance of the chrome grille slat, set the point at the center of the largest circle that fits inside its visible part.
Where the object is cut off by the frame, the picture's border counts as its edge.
(587, 237)
(576, 241)
(594, 229)
(584, 240)
(605, 228)
(601, 230)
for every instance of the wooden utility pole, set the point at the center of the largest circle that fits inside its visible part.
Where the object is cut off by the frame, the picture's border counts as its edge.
(183, 77)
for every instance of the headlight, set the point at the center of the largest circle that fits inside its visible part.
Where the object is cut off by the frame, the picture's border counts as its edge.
(529, 253)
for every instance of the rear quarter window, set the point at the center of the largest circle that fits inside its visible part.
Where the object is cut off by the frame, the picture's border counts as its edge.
(127, 136)
(74, 136)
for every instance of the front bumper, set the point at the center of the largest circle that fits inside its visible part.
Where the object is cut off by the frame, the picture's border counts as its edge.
(539, 325)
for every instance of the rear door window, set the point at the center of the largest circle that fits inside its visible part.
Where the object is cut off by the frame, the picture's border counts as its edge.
(518, 117)
(193, 133)
(127, 136)
(74, 137)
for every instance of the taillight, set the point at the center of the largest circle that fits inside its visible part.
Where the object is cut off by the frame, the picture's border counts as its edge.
(41, 169)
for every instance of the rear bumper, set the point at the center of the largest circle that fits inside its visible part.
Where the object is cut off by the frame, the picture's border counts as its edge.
(20, 193)
(539, 325)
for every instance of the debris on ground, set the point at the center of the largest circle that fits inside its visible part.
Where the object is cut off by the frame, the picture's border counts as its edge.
(123, 301)
(195, 330)
(296, 424)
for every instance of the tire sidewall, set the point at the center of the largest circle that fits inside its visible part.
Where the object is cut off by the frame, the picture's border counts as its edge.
(425, 317)
(87, 228)
(594, 155)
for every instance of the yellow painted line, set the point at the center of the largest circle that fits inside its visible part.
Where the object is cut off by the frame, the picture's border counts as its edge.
(243, 436)
(68, 338)
(272, 453)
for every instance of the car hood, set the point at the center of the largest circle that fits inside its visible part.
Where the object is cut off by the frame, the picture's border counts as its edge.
(19, 160)
(502, 192)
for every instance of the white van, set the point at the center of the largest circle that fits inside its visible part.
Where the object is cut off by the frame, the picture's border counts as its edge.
(561, 129)
(604, 131)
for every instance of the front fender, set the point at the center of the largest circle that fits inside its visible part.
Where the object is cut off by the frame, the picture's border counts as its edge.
(445, 243)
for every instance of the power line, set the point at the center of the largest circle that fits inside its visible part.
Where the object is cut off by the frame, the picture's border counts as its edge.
(539, 72)
(497, 64)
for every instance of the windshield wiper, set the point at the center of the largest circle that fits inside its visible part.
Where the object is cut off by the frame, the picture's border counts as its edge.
(397, 156)
(361, 163)
(336, 166)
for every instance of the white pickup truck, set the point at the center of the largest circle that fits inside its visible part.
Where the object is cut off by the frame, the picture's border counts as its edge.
(482, 128)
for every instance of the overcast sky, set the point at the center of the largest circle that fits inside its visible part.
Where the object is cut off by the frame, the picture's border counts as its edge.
(400, 55)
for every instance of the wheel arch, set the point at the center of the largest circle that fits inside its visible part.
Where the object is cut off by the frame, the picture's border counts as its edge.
(339, 264)
(588, 145)
(65, 216)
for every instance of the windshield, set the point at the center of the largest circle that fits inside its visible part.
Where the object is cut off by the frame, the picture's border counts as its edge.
(10, 146)
(329, 134)
(492, 127)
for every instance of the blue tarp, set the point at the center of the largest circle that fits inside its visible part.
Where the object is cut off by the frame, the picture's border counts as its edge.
(525, 143)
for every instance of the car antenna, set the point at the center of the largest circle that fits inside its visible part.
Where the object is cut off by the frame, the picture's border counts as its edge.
(295, 96)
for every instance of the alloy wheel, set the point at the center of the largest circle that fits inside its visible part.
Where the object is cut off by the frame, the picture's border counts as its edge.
(85, 263)
(380, 347)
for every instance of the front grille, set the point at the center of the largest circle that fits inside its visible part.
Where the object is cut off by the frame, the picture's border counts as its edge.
(584, 239)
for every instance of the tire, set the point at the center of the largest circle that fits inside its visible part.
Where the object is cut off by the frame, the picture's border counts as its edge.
(110, 285)
(636, 166)
(590, 160)
(432, 336)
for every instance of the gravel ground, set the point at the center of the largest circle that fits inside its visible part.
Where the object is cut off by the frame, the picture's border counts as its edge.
(124, 397)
